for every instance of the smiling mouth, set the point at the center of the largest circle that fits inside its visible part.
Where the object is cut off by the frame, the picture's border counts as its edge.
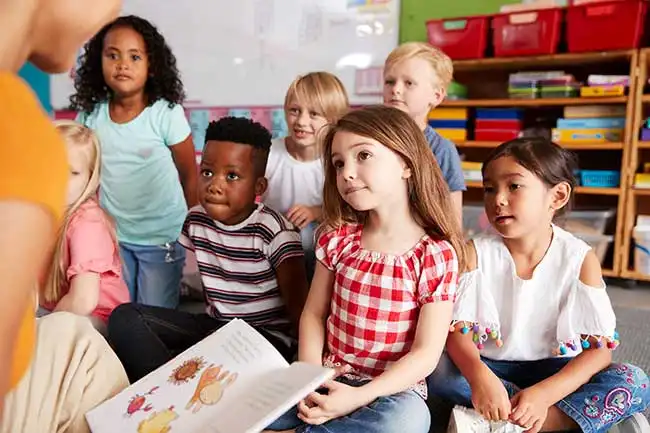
(122, 77)
(353, 190)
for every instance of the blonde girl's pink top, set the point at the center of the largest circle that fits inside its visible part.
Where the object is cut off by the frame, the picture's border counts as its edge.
(91, 248)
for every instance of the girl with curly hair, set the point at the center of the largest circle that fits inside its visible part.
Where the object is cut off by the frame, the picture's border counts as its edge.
(129, 91)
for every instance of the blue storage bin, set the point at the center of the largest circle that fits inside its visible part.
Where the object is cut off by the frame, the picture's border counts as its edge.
(600, 178)
(499, 113)
(593, 123)
(448, 123)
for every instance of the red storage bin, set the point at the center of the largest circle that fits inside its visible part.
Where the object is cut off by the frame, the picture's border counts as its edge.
(613, 25)
(460, 38)
(526, 33)
(507, 124)
(502, 135)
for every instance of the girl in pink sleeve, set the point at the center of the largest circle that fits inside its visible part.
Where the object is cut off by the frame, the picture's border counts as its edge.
(85, 275)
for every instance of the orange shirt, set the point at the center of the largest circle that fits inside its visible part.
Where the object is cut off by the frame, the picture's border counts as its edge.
(33, 168)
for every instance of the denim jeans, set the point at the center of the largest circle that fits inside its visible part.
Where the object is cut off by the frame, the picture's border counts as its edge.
(153, 272)
(610, 396)
(405, 412)
(308, 245)
(145, 337)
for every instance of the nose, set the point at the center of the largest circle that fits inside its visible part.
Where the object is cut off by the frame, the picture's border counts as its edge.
(122, 65)
(303, 118)
(501, 198)
(397, 88)
(349, 172)
(216, 186)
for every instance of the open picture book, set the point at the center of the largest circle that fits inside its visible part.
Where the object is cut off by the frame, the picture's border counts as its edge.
(233, 381)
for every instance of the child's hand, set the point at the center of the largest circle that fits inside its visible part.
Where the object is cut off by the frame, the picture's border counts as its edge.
(529, 409)
(489, 396)
(341, 400)
(301, 215)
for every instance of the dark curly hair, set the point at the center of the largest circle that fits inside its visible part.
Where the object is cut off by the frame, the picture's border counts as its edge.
(243, 131)
(164, 79)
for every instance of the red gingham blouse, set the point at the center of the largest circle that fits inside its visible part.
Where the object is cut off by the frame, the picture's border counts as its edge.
(377, 297)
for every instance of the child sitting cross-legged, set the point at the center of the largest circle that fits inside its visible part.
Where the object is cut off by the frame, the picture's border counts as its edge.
(249, 256)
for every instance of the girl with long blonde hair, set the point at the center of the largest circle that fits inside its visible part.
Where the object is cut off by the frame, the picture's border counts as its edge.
(85, 275)
(389, 252)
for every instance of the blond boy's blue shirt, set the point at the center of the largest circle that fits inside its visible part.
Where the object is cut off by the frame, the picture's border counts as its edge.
(448, 159)
(140, 185)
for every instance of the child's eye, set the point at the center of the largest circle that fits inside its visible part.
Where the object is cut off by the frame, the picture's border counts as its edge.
(389, 81)
(488, 189)
(112, 56)
(294, 111)
(206, 173)
(136, 57)
(514, 186)
(314, 114)
(409, 83)
(232, 176)
(364, 155)
(337, 164)
(74, 173)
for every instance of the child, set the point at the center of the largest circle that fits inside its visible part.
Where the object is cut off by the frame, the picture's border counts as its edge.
(249, 256)
(542, 326)
(129, 91)
(54, 370)
(295, 169)
(416, 77)
(385, 281)
(85, 275)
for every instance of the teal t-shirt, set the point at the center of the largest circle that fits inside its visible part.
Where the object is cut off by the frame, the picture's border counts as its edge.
(140, 186)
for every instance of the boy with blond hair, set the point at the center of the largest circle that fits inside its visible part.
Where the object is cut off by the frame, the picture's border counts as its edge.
(416, 77)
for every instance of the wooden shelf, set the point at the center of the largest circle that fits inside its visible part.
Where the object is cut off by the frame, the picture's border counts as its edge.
(574, 146)
(539, 102)
(608, 273)
(555, 59)
(642, 191)
(645, 98)
(579, 190)
(635, 276)
(643, 145)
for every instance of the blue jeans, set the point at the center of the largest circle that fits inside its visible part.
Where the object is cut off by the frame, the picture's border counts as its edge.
(153, 272)
(610, 396)
(405, 412)
(307, 236)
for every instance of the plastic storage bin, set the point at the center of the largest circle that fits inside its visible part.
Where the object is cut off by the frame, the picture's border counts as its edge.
(588, 221)
(642, 250)
(614, 25)
(600, 178)
(526, 33)
(460, 38)
(475, 220)
(599, 243)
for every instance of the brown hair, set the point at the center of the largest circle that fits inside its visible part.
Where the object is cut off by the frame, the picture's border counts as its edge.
(549, 162)
(429, 199)
(75, 135)
(439, 61)
(322, 92)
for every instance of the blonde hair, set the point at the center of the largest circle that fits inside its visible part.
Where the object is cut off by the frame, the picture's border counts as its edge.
(322, 92)
(429, 198)
(75, 135)
(439, 61)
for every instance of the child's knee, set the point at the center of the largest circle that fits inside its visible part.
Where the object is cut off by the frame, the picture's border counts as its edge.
(409, 414)
(122, 318)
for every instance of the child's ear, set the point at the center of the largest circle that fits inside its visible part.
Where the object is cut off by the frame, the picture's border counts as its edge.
(406, 173)
(260, 186)
(439, 95)
(561, 193)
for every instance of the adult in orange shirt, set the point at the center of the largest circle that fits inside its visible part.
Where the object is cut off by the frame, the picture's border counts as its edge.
(51, 375)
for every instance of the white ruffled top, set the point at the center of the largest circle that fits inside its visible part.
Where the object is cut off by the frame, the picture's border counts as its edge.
(551, 314)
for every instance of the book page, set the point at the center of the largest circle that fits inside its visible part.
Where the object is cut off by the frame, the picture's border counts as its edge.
(185, 393)
(264, 401)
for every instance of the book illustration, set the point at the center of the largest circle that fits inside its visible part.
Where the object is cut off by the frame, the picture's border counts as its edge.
(158, 422)
(187, 370)
(137, 402)
(211, 387)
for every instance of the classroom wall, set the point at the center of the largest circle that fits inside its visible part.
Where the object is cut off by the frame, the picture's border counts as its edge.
(414, 14)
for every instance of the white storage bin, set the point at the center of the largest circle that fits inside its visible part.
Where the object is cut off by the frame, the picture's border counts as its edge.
(641, 236)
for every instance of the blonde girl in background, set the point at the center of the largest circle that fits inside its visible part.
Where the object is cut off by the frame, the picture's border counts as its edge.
(85, 276)
(382, 294)
(295, 169)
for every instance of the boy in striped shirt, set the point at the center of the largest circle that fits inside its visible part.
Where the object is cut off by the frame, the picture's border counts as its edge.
(249, 256)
